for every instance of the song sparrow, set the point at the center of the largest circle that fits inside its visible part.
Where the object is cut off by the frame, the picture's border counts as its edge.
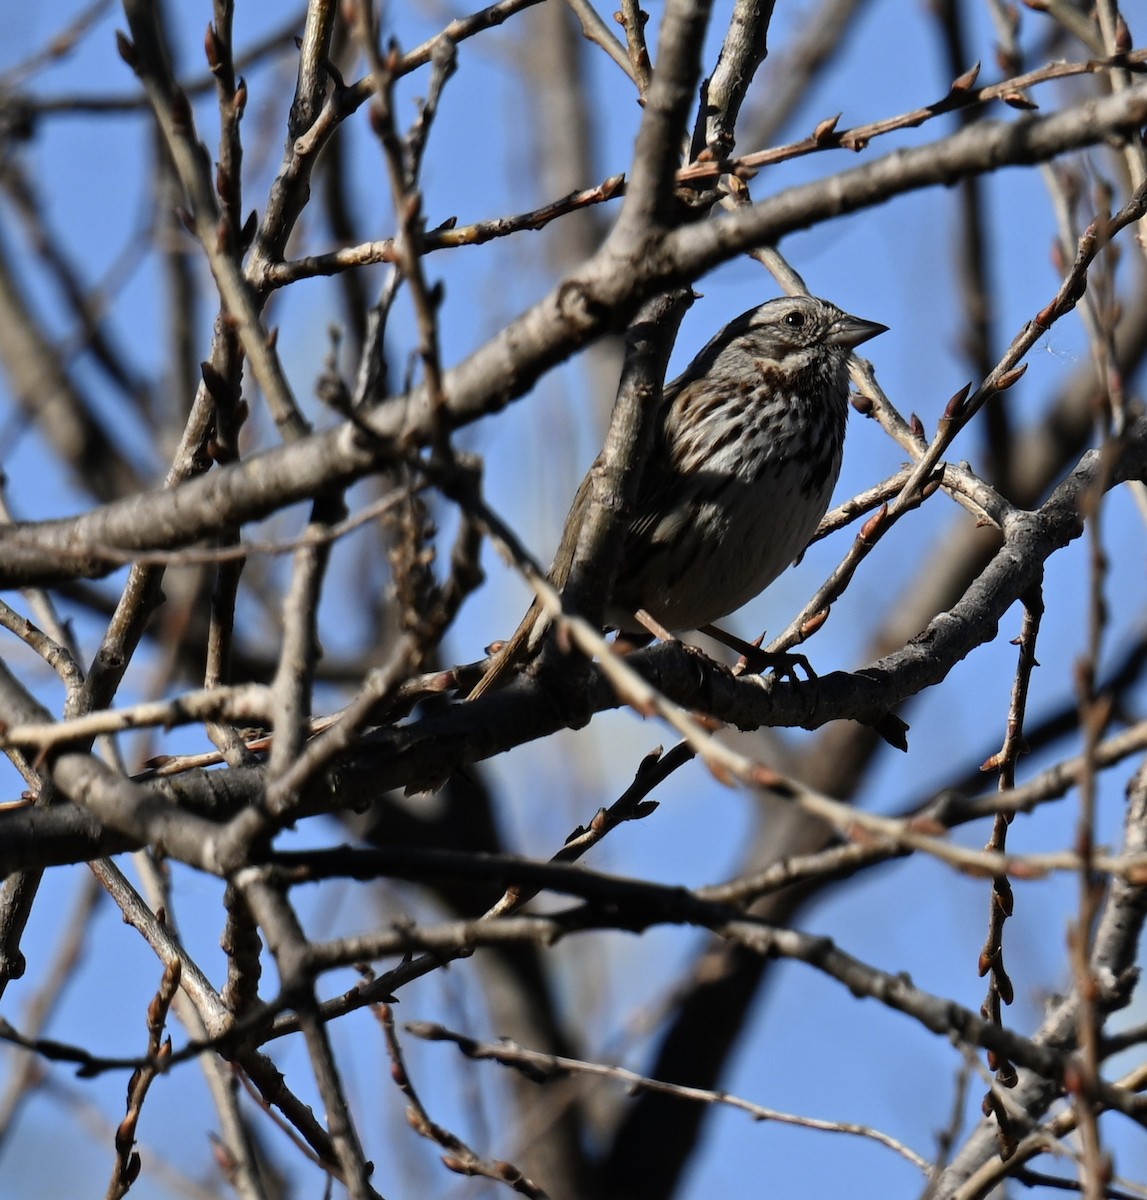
(746, 453)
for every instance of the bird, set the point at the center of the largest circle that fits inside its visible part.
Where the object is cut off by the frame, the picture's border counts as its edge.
(746, 451)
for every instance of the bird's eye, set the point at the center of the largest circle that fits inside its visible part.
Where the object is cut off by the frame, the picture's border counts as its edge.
(793, 319)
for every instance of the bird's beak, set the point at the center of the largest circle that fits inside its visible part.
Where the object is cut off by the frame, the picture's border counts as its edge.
(851, 331)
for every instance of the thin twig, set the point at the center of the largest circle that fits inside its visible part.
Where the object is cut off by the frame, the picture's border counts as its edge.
(540, 1067)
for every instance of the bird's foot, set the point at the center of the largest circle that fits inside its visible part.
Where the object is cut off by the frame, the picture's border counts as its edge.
(782, 663)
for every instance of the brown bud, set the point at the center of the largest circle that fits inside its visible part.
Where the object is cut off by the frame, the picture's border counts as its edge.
(1123, 39)
(765, 777)
(1007, 1077)
(651, 759)
(955, 405)
(213, 49)
(869, 528)
(1072, 1078)
(825, 130)
(965, 82)
(1020, 101)
(131, 1171)
(1046, 316)
(863, 404)
(443, 681)
(247, 233)
(1008, 378)
(814, 623)
(126, 48)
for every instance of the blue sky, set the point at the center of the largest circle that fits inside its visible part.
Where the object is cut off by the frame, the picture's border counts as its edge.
(811, 1047)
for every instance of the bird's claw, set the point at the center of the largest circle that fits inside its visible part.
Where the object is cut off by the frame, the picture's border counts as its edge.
(782, 663)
